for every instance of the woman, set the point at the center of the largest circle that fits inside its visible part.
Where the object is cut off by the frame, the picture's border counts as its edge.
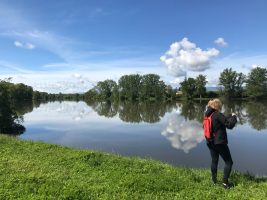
(218, 145)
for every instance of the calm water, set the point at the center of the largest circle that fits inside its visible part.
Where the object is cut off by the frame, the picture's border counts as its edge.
(171, 133)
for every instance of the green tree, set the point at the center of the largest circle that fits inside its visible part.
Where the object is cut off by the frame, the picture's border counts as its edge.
(188, 87)
(21, 92)
(9, 120)
(256, 86)
(232, 82)
(129, 86)
(201, 85)
(152, 87)
(105, 88)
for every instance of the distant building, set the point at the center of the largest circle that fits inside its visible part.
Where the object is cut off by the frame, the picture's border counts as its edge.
(179, 93)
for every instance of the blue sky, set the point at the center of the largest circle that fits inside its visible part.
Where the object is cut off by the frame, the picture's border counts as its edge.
(67, 46)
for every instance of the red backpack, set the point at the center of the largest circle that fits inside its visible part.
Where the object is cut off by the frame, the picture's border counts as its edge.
(207, 125)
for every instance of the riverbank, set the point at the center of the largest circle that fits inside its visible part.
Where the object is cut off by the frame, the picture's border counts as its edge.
(35, 170)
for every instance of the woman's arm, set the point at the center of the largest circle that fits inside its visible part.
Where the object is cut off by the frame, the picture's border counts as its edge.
(229, 122)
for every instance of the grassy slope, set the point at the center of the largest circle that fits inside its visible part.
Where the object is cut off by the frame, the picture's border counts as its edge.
(34, 170)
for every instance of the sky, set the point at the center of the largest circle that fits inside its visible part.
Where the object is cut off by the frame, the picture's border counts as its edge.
(68, 46)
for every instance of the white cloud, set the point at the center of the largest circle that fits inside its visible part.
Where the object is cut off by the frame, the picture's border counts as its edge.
(24, 45)
(79, 80)
(18, 44)
(220, 42)
(185, 56)
(175, 81)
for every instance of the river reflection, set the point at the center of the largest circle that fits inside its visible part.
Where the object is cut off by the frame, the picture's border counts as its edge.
(254, 113)
(183, 134)
(170, 132)
(134, 112)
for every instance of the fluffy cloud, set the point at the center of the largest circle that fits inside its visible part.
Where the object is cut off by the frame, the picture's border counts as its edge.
(185, 56)
(220, 42)
(176, 81)
(183, 134)
(24, 45)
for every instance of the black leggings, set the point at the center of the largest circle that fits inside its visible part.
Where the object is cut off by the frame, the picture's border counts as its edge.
(224, 152)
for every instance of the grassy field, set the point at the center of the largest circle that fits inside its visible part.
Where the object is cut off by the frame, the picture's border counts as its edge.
(34, 170)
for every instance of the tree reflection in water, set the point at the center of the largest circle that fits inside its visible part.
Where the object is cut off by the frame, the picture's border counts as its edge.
(257, 114)
(254, 113)
(134, 112)
(191, 113)
(193, 110)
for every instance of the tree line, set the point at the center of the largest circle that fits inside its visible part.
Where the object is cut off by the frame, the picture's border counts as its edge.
(232, 85)
(137, 87)
(132, 87)
(14, 97)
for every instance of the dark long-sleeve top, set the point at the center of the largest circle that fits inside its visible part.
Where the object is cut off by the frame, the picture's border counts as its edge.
(219, 125)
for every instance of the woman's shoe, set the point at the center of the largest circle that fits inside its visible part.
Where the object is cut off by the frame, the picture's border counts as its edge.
(227, 185)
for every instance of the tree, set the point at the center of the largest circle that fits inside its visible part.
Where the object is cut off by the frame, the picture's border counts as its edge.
(91, 95)
(129, 86)
(20, 92)
(232, 82)
(9, 120)
(256, 86)
(105, 88)
(152, 87)
(201, 85)
(188, 87)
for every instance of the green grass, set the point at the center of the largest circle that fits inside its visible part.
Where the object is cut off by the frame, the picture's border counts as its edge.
(35, 170)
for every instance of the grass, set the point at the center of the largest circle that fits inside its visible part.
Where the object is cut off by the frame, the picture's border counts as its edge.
(35, 170)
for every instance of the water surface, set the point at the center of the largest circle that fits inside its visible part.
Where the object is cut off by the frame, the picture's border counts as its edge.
(171, 133)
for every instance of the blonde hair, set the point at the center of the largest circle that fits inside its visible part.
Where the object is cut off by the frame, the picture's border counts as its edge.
(215, 104)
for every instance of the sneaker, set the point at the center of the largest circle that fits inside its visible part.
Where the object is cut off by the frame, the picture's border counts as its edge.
(226, 185)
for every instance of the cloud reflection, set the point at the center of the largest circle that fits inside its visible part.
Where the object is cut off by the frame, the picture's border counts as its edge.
(183, 134)
(60, 111)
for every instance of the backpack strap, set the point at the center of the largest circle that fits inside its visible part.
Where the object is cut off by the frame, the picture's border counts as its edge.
(212, 133)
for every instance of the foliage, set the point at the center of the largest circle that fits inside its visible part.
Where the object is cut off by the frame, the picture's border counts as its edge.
(200, 82)
(152, 87)
(232, 83)
(66, 173)
(44, 96)
(17, 92)
(9, 120)
(188, 87)
(256, 86)
(131, 87)
(194, 87)
(105, 88)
